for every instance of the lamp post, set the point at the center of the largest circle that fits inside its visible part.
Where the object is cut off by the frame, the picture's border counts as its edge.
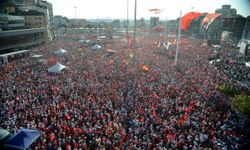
(135, 24)
(97, 31)
(75, 11)
(127, 16)
(127, 26)
(177, 42)
(165, 36)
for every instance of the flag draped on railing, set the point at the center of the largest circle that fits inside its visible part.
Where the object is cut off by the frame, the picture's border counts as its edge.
(208, 20)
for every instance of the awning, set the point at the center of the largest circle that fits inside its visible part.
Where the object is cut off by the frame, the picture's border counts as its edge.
(23, 139)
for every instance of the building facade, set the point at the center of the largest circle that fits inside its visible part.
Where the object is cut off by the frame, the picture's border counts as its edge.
(40, 7)
(231, 21)
(37, 23)
(246, 32)
(172, 27)
(226, 11)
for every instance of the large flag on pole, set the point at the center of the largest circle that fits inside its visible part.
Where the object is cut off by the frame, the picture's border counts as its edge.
(208, 20)
(156, 10)
(188, 18)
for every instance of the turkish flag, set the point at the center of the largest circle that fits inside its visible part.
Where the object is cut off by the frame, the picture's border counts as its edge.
(188, 18)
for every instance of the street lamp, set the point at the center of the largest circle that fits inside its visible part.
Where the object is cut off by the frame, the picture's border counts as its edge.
(127, 16)
(75, 11)
(177, 41)
(134, 42)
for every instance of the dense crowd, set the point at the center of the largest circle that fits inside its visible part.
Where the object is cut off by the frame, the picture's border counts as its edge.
(233, 64)
(110, 101)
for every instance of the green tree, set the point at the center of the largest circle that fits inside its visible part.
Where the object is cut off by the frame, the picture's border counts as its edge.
(227, 90)
(89, 25)
(242, 104)
(141, 23)
(116, 23)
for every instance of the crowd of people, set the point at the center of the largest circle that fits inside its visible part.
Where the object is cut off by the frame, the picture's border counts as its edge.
(130, 99)
(234, 65)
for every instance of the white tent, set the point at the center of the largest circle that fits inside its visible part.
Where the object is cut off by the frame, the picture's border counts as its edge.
(247, 64)
(111, 51)
(102, 37)
(57, 68)
(81, 41)
(216, 46)
(3, 134)
(213, 61)
(36, 56)
(96, 46)
(60, 51)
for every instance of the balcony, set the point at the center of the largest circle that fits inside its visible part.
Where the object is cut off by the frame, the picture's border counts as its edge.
(21, 32)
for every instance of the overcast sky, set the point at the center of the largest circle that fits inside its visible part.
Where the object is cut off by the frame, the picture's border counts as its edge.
(117, 9)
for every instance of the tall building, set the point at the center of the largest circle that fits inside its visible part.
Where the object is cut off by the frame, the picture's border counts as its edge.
(231, 21)
(246, 32)
(172, 26)
(226, 11)
(245, 40)
(154, 21)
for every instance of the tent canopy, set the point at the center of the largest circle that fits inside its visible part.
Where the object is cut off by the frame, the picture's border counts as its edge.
(81, 41)
(23, 139)
(111, 51)
(3, 134)
(60, 51)
(213, 61)
(216, 46)
(36, 56)
(57, 68)
(247, 64)
(96, 46)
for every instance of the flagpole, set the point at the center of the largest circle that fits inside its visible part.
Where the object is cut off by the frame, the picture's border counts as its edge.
(178, 38)
(135, 24)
